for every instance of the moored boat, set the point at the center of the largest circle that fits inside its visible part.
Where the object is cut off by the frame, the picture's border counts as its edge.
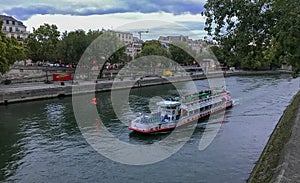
(177, 111)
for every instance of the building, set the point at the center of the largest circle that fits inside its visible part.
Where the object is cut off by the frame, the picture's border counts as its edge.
(133, 44)
(196, 45)
(14, 28)
(125, 37)
(165, 41)
(135, 48)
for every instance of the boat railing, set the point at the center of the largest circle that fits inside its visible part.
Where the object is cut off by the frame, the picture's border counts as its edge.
(202, 100)
(199, 101)
(153, 118)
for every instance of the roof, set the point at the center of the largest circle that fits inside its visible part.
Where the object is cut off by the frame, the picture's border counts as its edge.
(10, 18)
(4, 17)
(168, 103)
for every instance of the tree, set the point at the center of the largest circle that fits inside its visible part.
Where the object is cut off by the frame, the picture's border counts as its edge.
(102, 48)
(41, 45)
(287, 33)
(181, 52)
(153, 48)
(72, 45)
(258, 33)
(11, 51)
(119, 56)
(242, 28)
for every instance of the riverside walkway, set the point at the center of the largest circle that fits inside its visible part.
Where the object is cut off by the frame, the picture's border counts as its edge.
(38, 90)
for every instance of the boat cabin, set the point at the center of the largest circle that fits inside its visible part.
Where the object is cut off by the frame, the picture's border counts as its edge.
(169, 110)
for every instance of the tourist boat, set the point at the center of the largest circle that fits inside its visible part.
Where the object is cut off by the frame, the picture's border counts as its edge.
(177, 111)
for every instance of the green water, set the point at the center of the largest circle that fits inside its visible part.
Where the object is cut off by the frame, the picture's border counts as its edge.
(41, 142)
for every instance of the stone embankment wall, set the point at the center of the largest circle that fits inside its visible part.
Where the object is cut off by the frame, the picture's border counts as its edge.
(29, 74)
(276, 161)
(43, 91)
(18, 93)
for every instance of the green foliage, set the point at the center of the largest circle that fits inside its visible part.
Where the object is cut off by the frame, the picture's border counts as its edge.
(204, 55)
(181, 52)
(107, 47)
(10, 51)
(255, 34)
(72, 45)
(152, 53)
(154, 48)
(119, 56)
(44, 45)
(287, 29)
(41, 45)
(217, 51)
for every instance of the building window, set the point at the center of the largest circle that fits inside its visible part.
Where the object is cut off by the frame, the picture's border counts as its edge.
(13, 22)
(7, 21)
(10, 29)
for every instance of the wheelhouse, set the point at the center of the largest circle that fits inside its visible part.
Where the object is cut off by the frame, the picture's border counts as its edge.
(169, 110)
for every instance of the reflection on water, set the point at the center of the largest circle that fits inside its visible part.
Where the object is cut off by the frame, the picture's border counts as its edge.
(41, 142)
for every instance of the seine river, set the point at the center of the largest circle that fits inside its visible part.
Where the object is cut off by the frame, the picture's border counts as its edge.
(40, 141)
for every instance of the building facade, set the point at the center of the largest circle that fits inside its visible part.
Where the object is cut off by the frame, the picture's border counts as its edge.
(133, 44)
(125, 37)
(165, 41)
(14, 28)
(194, 44)
(135, 48)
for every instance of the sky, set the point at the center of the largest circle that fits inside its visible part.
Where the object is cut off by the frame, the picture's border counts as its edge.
(159, 17)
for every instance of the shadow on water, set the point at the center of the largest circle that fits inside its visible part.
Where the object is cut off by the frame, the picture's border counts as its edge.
(31, 129)
(202, 124)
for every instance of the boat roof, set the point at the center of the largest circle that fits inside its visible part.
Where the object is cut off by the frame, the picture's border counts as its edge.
(166, 103)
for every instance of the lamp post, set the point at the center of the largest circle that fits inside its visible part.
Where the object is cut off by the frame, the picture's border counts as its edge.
(47, 79)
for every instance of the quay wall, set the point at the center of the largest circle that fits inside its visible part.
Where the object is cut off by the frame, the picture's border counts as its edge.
(57, 90)
(270, 165)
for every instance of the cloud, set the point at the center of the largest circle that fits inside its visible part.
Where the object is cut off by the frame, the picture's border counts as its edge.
(192, 25)
(25, 13)
(23, 10)
(158, 24)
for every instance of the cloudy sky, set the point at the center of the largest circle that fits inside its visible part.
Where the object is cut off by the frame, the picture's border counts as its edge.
(160, 17)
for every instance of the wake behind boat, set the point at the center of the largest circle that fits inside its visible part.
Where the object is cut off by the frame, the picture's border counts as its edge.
(174, 112)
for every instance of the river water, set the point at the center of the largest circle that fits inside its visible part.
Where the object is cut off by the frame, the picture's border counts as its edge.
(40, 141)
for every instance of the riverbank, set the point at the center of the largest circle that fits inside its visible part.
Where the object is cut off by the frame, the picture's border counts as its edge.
(39, 90)
(280, 160)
